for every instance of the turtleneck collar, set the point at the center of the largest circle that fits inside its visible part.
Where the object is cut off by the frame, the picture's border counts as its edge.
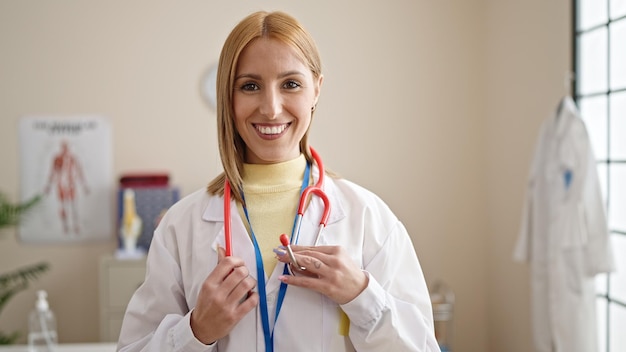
(277, 177)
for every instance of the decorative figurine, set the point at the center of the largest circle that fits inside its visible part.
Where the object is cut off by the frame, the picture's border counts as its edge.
(131, 226)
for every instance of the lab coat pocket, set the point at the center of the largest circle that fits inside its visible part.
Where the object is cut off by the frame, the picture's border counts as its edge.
(574, 226)
(573, 248)
(566, 173)
(573, 268)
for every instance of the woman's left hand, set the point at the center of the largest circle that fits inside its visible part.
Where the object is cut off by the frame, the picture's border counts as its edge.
(329, 271)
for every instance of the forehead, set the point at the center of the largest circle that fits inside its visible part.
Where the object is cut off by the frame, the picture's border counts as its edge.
(269, 54)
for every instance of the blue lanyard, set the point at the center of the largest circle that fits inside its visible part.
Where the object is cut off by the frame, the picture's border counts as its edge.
(260, 273)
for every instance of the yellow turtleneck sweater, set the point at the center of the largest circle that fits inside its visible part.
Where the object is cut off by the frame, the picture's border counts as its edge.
(272, 193)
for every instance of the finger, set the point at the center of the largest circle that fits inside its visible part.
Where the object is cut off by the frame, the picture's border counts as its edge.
(226, 266)
(311, 264)
(318, 249)
(283, 255)
(303, 281)
(247, 304)
(306, 259)
(235, 276)
(302, 271)
(243, 290)
(221, 254)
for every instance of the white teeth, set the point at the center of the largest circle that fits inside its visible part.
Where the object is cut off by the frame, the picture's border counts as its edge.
(271, 129)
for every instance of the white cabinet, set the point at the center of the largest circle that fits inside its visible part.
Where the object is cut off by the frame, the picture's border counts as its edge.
(118, 281)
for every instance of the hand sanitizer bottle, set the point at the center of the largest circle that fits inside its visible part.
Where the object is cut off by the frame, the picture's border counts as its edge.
(42, 335)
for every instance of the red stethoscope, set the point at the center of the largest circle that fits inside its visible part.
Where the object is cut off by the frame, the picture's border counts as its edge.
(315, 189)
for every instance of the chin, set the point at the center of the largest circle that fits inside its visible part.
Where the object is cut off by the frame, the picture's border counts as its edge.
(270, 157)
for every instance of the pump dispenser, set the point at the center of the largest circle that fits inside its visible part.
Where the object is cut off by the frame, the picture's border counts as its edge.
(42, 335)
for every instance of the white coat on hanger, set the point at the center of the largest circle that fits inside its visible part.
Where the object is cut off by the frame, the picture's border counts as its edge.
(564, 235)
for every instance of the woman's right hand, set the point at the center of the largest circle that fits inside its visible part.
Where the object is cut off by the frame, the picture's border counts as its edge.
(225, 298)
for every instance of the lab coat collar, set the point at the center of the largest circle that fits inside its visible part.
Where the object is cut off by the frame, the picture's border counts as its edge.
(565, 112)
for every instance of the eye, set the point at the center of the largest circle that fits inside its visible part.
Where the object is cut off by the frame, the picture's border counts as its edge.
(249, 87)
(291, 84)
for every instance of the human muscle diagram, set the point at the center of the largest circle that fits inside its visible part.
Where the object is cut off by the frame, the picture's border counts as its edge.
(66, 160)
(66, 175)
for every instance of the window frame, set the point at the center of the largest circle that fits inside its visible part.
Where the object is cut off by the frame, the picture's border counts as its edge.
(605, 298)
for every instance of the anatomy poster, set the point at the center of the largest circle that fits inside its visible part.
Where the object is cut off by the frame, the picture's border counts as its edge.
(67, 161)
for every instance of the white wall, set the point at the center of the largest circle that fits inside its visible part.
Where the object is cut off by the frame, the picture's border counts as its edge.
(434, 105)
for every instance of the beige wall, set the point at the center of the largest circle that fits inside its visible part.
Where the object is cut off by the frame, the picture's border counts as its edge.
(434, 105)
(528, 56)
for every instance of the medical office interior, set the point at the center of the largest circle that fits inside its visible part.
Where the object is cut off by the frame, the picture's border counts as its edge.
(434, 105)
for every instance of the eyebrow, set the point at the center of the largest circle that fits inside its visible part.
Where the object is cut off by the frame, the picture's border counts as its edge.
(258, 77)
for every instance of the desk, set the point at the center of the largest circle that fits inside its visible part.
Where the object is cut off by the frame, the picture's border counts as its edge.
(68, 347)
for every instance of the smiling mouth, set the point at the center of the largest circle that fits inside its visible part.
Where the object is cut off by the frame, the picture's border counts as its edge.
(271, 130)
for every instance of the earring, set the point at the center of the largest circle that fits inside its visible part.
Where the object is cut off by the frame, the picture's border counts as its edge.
(313, 107)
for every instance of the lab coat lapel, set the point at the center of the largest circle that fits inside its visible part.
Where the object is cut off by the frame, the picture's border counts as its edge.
(241, 244)
(313, 214)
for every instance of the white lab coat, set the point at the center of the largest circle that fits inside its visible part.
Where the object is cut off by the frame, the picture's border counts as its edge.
(564, 235)
(393, 313)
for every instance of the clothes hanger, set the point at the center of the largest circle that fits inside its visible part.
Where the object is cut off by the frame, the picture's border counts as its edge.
(567, 83)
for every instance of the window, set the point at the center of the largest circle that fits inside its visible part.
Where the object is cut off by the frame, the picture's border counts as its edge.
(600, 86)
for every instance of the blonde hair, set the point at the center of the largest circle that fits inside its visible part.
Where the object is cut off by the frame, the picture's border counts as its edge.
(275, 25)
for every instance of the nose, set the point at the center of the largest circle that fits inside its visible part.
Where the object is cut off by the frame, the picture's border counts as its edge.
(271, 103)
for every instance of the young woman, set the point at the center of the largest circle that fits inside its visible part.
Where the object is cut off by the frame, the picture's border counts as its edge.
(357, 286)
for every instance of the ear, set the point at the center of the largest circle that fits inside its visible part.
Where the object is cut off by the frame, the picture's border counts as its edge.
(318, 88)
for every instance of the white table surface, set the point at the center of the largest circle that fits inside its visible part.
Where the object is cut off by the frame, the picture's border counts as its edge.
(69, 347)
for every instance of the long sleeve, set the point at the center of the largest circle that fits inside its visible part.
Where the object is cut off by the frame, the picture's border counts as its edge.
(157, 317)
(394, 313)
(599, 257)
